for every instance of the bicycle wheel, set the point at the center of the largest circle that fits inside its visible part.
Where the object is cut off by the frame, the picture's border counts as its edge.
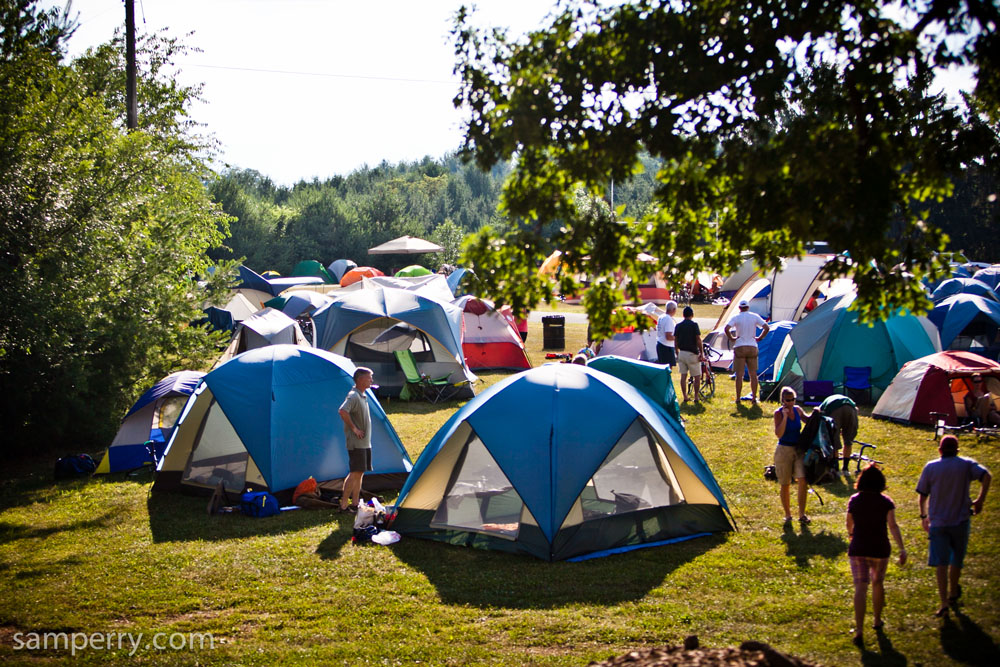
(707, 384)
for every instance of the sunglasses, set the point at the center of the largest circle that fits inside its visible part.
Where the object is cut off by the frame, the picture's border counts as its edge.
(788, 400)
(977, 380)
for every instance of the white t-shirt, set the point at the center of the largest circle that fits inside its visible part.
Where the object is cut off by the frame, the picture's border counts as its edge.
(665, 325)
(746, 324)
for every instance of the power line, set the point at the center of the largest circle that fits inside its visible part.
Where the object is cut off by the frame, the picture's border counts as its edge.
(320, 74)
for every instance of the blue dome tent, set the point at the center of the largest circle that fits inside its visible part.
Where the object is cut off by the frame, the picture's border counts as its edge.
(268, 418)
(594, 467)
(150, 419)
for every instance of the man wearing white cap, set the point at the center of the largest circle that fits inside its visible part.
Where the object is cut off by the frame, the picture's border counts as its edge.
(742, 330)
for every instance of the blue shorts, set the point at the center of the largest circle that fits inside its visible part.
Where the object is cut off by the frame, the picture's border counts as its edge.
(948, 545)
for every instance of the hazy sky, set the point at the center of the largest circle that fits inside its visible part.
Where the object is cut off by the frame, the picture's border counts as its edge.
(304, 88)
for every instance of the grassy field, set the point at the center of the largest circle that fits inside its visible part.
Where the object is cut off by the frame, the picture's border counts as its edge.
(103, 556)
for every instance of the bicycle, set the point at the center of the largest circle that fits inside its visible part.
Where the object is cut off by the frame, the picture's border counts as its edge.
(941, 427)
(707, 388)
(860, 456)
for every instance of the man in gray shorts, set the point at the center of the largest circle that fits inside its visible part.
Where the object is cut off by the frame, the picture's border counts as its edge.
(687, 337)
(358, 435)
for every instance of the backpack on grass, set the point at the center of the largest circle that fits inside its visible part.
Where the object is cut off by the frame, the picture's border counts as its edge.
(259, 504)
(74, 466)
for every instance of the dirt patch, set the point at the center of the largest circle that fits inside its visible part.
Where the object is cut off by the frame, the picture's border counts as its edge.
(748, 654)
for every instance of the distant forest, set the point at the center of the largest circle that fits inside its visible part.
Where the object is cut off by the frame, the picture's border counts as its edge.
(275, 227)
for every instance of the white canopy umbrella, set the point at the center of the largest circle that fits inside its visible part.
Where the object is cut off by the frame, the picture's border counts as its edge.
(405, 245)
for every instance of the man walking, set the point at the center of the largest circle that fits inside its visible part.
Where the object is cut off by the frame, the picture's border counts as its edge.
(665, 335)
(687, 337)
(742, 330)
(844, 413)
(945, 509)
(358, 434)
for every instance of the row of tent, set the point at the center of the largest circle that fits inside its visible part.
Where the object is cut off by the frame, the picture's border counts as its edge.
(378, 316)
(598, 463)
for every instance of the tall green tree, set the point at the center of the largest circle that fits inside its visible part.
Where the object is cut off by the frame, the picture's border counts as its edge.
(103, 233)
(776, 124)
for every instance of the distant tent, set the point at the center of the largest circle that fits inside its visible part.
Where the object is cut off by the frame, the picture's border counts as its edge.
(965, 319)
(151, 418)
(310, 267)
(791, 287)
(433, 285)
(954, 286)
(830, 338)
(357, 273)
(989, 275)
(368, 325)
(268, 419)
(736, 279)
(273, 286)
(551, 264)
(653, 380)
(459, 280)
(490, 340)
(299, 302)
(268, 327)
(593, 467)
(412, 271)
(339, 267)
(240, 307)
(218, 319)
(936, 383)
(631, 343)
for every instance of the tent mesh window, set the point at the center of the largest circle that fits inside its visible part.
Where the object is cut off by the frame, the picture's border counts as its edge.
(169, 411)
(218, 455)
(479, 496)
(635, 475)
(375, 341)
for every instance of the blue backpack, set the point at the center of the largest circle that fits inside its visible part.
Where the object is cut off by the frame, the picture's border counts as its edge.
(258, 504)
(77, 465)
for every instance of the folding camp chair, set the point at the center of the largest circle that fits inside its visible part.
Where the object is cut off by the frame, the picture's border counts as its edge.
(858, 384)
(419, 384)
(814, 391)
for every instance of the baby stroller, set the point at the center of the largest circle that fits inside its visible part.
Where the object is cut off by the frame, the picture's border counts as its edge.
(816, 439)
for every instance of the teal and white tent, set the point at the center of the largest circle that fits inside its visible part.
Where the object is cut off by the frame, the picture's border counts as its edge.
(831, 338)
(268, 418)
(558, 462)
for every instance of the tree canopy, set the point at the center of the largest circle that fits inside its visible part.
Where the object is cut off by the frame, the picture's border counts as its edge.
(103, 232)
(775, 124)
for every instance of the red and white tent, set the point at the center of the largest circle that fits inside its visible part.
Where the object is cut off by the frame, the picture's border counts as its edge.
(490, 340)
(935, 383)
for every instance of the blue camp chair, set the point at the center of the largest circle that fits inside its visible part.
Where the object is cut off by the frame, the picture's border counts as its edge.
(814, 391)
(858, 384)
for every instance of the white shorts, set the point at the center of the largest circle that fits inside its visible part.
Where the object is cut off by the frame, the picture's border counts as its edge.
(688, 364)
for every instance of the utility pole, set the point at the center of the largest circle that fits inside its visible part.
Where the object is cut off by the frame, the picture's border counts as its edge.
(132, 105)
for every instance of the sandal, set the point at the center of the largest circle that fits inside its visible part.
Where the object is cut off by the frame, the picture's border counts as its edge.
(942, 612)
(878, 626)
(958, 593)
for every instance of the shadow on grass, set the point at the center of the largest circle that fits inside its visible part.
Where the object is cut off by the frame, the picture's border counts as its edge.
(11, 532)
(806, 545)
(886, 655)
(744, 410)
(966, 642)
(463, 575)
(179, 518)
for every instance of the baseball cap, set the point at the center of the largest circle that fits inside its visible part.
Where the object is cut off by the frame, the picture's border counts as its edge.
(744, 303)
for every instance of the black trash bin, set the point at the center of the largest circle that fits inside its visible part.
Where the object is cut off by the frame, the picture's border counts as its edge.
(553, 332)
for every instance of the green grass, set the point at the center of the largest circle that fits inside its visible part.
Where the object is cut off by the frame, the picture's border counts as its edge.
(101, 555)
